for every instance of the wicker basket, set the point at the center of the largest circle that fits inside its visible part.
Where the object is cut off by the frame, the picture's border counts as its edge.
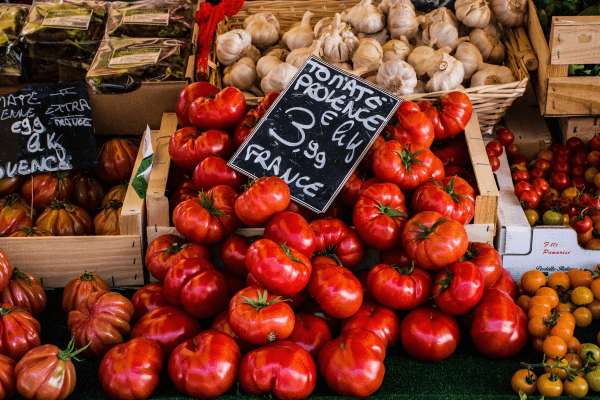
(490, 101)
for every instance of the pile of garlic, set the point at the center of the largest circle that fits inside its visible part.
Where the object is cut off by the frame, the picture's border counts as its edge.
(389, 45)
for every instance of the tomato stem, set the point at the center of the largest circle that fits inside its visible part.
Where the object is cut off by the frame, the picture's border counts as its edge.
(261, 302)
(208, 204)
(444, 282)
(17, 274)
(409, 158)
(70, 352)
(425, 230)
(288, 253)
(87, 277)
(389, 211)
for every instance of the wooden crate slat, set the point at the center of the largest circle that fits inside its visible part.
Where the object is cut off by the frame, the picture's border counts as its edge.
(575, 95)
(575, 40)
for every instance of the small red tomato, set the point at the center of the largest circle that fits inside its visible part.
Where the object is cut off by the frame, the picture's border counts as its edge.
(575, 143)
(494, 162)
(543, 164)
(496, 147)
(522, 187)
(582, 223)
(536, 173)
(505, 137)
(513, 150)
(458, 288)
(595, 143)
(560, 181)
(131, 370)
(542, 184)
(266, 197)
(428, 334)
(521, 175)
(377, 318)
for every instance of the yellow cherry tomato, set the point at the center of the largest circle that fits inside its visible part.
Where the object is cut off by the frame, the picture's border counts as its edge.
(590, 174)
(532, 216)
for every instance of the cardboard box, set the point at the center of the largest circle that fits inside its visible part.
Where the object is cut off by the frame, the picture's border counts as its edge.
(584, 128)
(118, 260)
(545, 248)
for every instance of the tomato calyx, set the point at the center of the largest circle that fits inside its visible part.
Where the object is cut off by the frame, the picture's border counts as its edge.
(207, 204)
(389, 211)
(330, 252)
(61, 175)
(30, 231)
(252, 124)
(17, 274)
(70, 352)
(175, 247)
(444, 282)
(261, 302)
(425, 230)
(61, 205)
(406, 270)
(450, 190)
(114, 204)
(6, 311)
(11, 200)
(288, 253)
(409, 158)
(471, 253)
(87, 277)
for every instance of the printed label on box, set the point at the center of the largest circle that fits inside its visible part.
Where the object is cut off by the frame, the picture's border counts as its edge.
(130, 57)
(71, 19)
(147, 16)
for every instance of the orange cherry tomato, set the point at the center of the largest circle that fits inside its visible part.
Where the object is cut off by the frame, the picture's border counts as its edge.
(558, 280)
(580, 277)
(532, 280)
(524, 380)
(554, 346)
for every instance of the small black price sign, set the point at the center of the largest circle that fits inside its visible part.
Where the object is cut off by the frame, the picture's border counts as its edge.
(46, 128)
(316, 132)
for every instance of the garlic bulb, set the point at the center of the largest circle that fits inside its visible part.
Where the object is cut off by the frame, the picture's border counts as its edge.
(492, 75)
(343, 65)
(470, 56)
(323, 25)
(338, 43)
(298, 56)
(473, 13)
(402, 21)
(491, 48)
(440, 34)
(231, 45)
(278, 78)
(372, 79)
(397, 77)
(382, 36)
(301, 35)
(509, 12)
(396, 49)
(276, 51)
(385, 5)
(266, 64)
(365, 17)
(241, 75)
(441, 14)
(424, 59)
(251, 52)
(368, 54)
(448, 74)
(420, 88)
(264, 29)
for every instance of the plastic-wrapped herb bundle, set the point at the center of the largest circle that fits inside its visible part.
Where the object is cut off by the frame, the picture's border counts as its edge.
(150, 19)
(66, 32)
(121, 65)
(12, 18)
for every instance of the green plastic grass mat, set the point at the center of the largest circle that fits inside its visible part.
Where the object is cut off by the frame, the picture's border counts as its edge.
(465, 375)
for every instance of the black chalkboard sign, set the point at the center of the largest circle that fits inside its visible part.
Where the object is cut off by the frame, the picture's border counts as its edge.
(46, 128)
(316, 132)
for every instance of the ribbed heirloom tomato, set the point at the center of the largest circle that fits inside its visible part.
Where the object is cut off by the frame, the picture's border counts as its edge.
(188, 146)
(148, 298)
(293, 230)
(79, 289)
(218, 111)
(310, 332)
(167, 250)
(399, 288)
(213, 171)
(458, 288)
(40, 189)
(20, 332)
(24, 291)
(117, 159)
(406, 165)
(335, 239)
(377, 318)
(452, 197)
(487, 259)
(413, 125)
(13, 218)
(66, 219)
(266, 197)
(454, 113)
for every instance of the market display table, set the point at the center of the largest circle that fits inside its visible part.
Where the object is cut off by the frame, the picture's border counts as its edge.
(465, 375)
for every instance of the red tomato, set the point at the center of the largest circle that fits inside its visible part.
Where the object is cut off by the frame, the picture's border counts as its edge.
(337, 240)
(536, 173)
(10, 185)
(353, 188)
(205, 366)
(578, 171)
(310, 332)
(499, 328)
(204, 294)
(20, 331)
(290, 228)
(167, 250)
(593, 158)
(8, 386)
(79, 289)
(543, 164)
(335, 288)
(413, 125)
(407, 166)
(221, 323)
(594, 143)
(522, 187)
(575, 143)
(580, 159)
(259, 317)
(379, 215)
(452, 197)
(266, 197)
(220, 111)
(303, 211)
(184, 191)
(117, 159)
(42, 188)
(244, 127)
(313, 308)
(433, 241)
(65, 219)
(24, 291)
(131, 370)
(281, 367)
(168, 326)
(148, 298)
(561, 166)
(233, 255)
(210, 218)
(377, 318)
(560, 181)
(519, 159)
(505, 284)
(213, 171)
(439, 172)
(188, 146)
(366, 165)
(530, 200)
(494, 163)
(46, 372)
(521, 175)
(266, 103)
(490, 152)
(454, 113)
(458, 288)
(399, 288)
(180, 274)
(87, 192)
(429, 334)
(6, 270)
(102, 321)
(582, 223)
(352, 364)
(187, 96)
(397, 257)
(487, 260)
(542, 184)
(496, 147)
(13, 217)
(455, 153)
(280, 269)
(505, 137)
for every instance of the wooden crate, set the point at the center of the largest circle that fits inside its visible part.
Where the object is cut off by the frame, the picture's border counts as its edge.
(573, 40)
(118, 260)
(483, 228)
(584, 128)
